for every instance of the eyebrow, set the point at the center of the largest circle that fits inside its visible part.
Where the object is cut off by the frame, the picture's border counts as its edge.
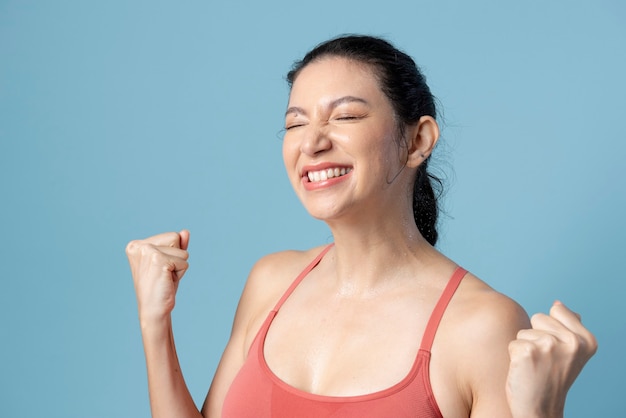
(331, 105)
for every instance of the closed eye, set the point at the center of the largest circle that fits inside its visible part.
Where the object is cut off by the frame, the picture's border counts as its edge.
(349, 117)
(293, 126)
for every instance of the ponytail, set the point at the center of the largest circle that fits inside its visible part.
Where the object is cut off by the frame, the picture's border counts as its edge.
(425, 206)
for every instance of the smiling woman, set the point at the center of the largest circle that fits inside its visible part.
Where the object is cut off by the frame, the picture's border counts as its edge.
(340, 119)
(379, 323)
(406, 92)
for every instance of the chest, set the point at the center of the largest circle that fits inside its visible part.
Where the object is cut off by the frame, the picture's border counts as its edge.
(339, 347)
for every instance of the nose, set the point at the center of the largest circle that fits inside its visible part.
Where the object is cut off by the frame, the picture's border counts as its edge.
(315, 140)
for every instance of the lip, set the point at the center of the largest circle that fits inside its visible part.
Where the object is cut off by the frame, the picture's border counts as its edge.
(324, 183)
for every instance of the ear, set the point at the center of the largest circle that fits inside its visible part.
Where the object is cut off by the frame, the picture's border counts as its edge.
(421, 140)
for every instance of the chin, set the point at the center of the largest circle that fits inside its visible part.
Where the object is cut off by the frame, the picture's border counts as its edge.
(325, 212)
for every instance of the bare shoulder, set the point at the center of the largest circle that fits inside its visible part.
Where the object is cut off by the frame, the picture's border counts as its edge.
(269, 278)
(280, 265)
(486, 319)
(480, 324)
(480, 303)
(272, 274)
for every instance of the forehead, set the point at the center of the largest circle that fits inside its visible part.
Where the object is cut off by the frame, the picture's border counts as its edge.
(335, 76)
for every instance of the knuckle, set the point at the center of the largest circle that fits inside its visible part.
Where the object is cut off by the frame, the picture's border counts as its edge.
(131, 247)
(548, 342)
(522, 349)
(572, 340)
(156, 257)
(537, 319)
(146, 249)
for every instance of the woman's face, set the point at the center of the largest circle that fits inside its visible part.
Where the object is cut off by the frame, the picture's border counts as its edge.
(341, 143)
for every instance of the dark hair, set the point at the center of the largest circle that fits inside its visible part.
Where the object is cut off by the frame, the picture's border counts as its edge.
(405, 87)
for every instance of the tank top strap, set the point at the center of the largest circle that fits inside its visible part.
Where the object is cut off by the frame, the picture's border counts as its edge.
(301, 276)
(440, 308)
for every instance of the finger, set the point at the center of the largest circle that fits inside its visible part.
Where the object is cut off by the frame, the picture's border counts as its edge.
(167, 239)
(174, 252)
(564, 325)
(530, 334)
(567, 317)
(176, 267)
(543, 322)
(539, 340)
(521, 350)
(550, 330)
(571, 320)
(559, 303)
(545, 341)
(184, 239)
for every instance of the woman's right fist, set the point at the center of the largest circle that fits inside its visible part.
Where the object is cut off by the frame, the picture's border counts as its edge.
(157, 265)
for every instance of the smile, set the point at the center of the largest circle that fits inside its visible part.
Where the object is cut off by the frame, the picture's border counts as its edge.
(322, 175)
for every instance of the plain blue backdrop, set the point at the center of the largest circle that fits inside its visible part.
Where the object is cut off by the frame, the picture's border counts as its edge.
(121, 119)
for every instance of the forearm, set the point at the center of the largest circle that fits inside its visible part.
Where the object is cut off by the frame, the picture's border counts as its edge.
(169, 396)
(541, 415)
(534, 413)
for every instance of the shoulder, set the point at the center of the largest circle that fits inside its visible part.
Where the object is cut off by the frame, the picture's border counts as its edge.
(499, 311)
(269, 279)
(486, 319)
(272, 274)
(482, 304)
(480, 314)
(276, 265)
(481, 324)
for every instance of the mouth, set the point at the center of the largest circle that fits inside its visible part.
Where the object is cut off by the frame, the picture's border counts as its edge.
(328, 173)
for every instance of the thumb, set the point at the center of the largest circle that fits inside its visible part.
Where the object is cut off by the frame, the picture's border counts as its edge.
(184, 239)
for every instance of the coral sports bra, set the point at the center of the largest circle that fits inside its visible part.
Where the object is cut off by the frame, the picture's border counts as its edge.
(256, 392)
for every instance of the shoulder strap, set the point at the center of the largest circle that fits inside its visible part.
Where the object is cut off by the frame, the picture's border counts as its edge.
(440, 308)
(301, 276)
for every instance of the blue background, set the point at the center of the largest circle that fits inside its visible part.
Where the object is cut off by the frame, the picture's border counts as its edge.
(121, 119)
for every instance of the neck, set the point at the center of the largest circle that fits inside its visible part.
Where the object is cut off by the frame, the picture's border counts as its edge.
(370, 256)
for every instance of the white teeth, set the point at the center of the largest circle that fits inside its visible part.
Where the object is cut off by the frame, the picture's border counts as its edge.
(315, 176)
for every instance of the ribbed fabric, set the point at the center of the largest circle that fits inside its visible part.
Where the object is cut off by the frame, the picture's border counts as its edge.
(257, 392)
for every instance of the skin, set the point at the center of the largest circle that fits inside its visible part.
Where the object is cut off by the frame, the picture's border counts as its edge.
(379, 280)
(550, 355)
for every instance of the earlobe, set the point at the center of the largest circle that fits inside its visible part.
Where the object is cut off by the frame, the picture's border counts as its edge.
(422, 138)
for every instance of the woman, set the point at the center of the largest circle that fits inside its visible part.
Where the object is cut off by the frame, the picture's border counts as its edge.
(380, 323)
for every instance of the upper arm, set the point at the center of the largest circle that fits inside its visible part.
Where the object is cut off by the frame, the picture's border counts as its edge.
(496, 324)
(228, 367)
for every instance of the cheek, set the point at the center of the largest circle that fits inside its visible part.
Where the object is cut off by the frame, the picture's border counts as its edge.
(390, 157)
(384, 147)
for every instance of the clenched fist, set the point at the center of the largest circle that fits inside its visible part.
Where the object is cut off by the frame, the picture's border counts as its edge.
(157, 265)
(545, 361)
